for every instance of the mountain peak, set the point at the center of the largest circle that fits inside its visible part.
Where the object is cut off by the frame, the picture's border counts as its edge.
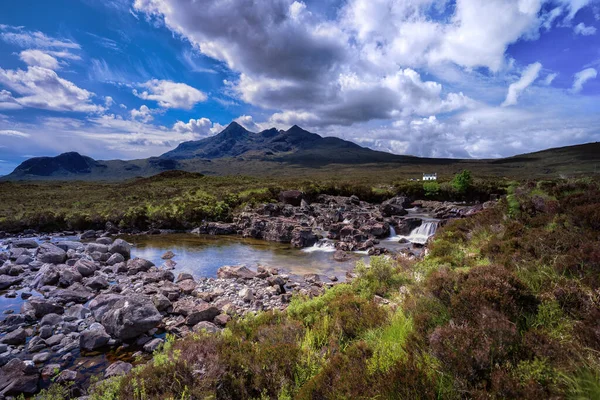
(234, 130)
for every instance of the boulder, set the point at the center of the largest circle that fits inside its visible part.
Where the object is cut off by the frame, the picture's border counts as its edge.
(138, 265)
(390, 210)
(183, 277)
(25, 243)
(16, 337)
(292, 197)
(51, 254)
(246, 294)
(202, 312)
(168, 255)
(117, 369)
(94, 337)
(17, 377)
(90, 234)
(102, 303)
(233, 272)
(152, 345)
(69, 276)
(76, 293)
(162, 303)
(303, 237)
(205, 326)
(130, 317)
(85, 267)
(8, 281)
(97, 247)
(104, 240)
(40, 307)
(97, 282)
(115, 259)
(69, 245)
(122, 247)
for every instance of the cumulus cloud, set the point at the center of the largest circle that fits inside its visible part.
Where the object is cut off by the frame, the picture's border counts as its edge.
(200, 128)
(582, 77)
(108, 101)
(529, 75)
(43, 88)
(247, 121)
(143, 114)
(39, 59)
(582, 29)
(170, 94)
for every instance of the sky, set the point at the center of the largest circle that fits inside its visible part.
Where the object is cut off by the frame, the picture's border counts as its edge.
(438, 78)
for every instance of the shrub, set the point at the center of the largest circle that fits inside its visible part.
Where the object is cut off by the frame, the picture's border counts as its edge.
(462, 181)
(431, 188)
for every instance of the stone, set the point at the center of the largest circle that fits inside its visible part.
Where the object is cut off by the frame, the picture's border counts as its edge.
(104, 240)
(183, 277)
(205, 326)
(187, 286)
(50, 370)
(292, 197)
(76, 293)
(16, 337)
(36, 344)
(51, 319)
(131, 316)
(102, 303)
(55, 339)
(68, 245)
(202, 312)
(161, 302)
(17, 377)
(85, 267)
(25, 244)
(97, 247)
(41, 307)
(66, 376)
(138, 265)
(97, 283)
(246, 294)
(8, 281)
(122, 247)
(22, 260)
(222, 319)
(94, 337)
(168, 255)
(46, 331)
(117, 369)
(233, 272)
(303, 237)
(51, 254)
(69, 276)
(341, 256)
(312, 278)
(152, 345)
(41, 358)
(116, 258)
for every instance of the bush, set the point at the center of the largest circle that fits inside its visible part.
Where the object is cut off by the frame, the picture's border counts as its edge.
(432, 188)
(462, 181)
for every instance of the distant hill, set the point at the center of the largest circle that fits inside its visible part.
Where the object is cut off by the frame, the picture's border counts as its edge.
(237, 151)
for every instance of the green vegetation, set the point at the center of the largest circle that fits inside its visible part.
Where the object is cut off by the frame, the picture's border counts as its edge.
(182, 200)
(505, 305)
(462, 181)
(432, 189)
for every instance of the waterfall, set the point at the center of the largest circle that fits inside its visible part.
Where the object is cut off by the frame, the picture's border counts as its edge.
(392, 232)
(423, 232)
(324, 245)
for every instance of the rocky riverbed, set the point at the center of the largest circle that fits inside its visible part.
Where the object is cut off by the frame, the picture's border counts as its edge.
(85, 297)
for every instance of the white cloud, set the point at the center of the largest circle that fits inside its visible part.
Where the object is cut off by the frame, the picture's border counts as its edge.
(247, 121)
(170, 94)
(582, 77)
(108, 101)
(144, 114)
(123, 106)
(582, 29)
(39, 58)
(200, 128)
(549, 79)
(8, 102)
(43, 88)
(34, 39)
(13, 133)
(529, 75)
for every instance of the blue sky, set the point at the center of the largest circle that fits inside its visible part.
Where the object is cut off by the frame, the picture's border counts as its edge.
(133, 78)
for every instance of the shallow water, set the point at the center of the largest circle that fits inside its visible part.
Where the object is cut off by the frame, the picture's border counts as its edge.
(203, 255)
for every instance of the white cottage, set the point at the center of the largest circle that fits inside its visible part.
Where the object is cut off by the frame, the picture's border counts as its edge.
(430, 177)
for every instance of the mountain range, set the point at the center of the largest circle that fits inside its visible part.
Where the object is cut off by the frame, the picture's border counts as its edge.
(235, 150)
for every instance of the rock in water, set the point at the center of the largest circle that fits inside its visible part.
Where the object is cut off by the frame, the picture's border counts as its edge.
(232, 272)
(122, 247)
(51, 254)
(130, 317)
(18, 377)
(93, 338)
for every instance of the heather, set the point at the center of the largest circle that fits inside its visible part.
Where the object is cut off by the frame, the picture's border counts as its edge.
(505, 305)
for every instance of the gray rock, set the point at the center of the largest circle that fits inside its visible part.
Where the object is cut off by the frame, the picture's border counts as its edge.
(66, 376)
(183, 277)
(17, 377)
(23, 260)
(68, 245)
(36, 344)
(130, 317)
(69, 276)
(16, 337)
(51, 254)
(25, 243)
(206, 326)
(40, 307)
(97, 247)
(94, 337)
(232, 272)
(102, 303)
(246, 294)
(122, 247)
(116, 258)
(85, 267)
(51, 319)
(41, 358)
(77, 311)
(118, 368)
(55, 339)
(8, 281)
(48, 275)
(76, 293)
(104, 240)
(162, 303)
(138, 265)
(97, 282)
(202, 312)
(46, 331)
(153, 345)
(88, 235)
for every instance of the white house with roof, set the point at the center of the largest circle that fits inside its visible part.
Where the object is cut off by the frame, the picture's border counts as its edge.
(430, 177)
